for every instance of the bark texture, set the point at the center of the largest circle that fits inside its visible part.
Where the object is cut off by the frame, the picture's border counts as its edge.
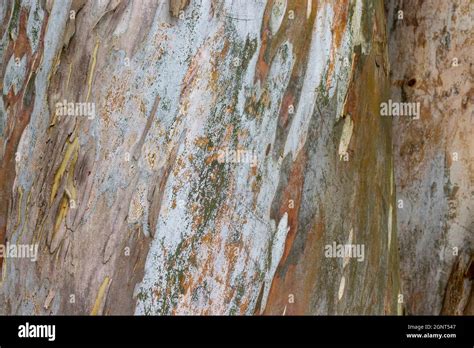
(231, 142)
(434, 154)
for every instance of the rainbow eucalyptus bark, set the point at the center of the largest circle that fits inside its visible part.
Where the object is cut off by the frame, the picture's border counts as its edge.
(230, 143)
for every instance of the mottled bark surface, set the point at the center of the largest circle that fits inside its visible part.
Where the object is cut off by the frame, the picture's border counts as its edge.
(434, 154)
(230, 142)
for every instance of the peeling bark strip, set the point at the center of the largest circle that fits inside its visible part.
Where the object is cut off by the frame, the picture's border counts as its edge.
(232, 141)
(19, 64)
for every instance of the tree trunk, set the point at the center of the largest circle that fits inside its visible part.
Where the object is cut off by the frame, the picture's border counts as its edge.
(431, 59)
(197, 157)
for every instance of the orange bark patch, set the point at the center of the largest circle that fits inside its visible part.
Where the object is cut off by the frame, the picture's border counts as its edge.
(299, 279)
(288, 100)
(298, 31)
(338, 28)
(22, 45)
(18, 118)
(293, 192)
